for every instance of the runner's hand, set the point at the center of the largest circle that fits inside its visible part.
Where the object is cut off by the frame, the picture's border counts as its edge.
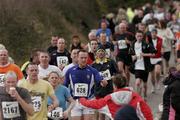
(50, 107)
(65, 114)
(61, 67)
(127, 41)
(134, 57)
(104, 83)
(13, 92)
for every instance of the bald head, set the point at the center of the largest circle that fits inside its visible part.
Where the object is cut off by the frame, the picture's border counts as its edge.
(61, 44)
(92, 35)
(61, 40)
(122, 27)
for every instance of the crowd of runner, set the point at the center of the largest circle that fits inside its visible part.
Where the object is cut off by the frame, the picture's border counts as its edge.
(92, 81)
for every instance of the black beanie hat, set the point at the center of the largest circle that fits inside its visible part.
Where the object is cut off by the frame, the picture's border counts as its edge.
(126, 112)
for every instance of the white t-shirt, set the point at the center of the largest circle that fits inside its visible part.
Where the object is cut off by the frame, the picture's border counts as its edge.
(139, 64)
(154, 42)
(167, 36)
(159, 16)
(155, 60)
(67, 67)
(43, 73)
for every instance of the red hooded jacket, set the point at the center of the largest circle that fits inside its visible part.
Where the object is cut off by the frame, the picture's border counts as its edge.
(119, 98)
(158, 48)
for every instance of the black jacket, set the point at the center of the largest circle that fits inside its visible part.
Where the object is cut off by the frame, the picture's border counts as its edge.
(113, 69)
(175, 95)
(146, 48)
(166, 96)
(171, 96)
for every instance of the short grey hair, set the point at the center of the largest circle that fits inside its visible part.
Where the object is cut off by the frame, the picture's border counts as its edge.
(2, 47)
(10, 74)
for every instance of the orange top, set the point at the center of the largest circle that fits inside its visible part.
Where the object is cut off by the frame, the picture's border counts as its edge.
(12, 67)
(178, 40)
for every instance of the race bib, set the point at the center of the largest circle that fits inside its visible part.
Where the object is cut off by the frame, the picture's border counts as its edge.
(10, 110)
(81, 90)
(62, 60)
(108, 53)
(106, 74)
(122, 44)
(36, 100)
(56, 114)
(107, 39)
(2, 79)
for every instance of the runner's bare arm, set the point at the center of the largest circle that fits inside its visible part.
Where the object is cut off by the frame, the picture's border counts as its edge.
(27, 107)
(54, 104)
(95, 104)
(72, 103)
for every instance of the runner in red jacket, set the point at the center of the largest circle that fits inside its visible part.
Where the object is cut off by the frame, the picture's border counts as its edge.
(120, 97)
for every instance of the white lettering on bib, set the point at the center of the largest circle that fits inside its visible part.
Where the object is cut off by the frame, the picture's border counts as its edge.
(62, 60)
(36, 100)
(56, 114)
(2, 79)
(10, 109)
(122, 44)
(106, 74)
(81, 89)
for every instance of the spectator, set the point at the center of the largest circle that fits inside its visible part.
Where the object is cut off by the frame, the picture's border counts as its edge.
(127, 112)
(174, 97)
(121, 95)
(168, 111)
